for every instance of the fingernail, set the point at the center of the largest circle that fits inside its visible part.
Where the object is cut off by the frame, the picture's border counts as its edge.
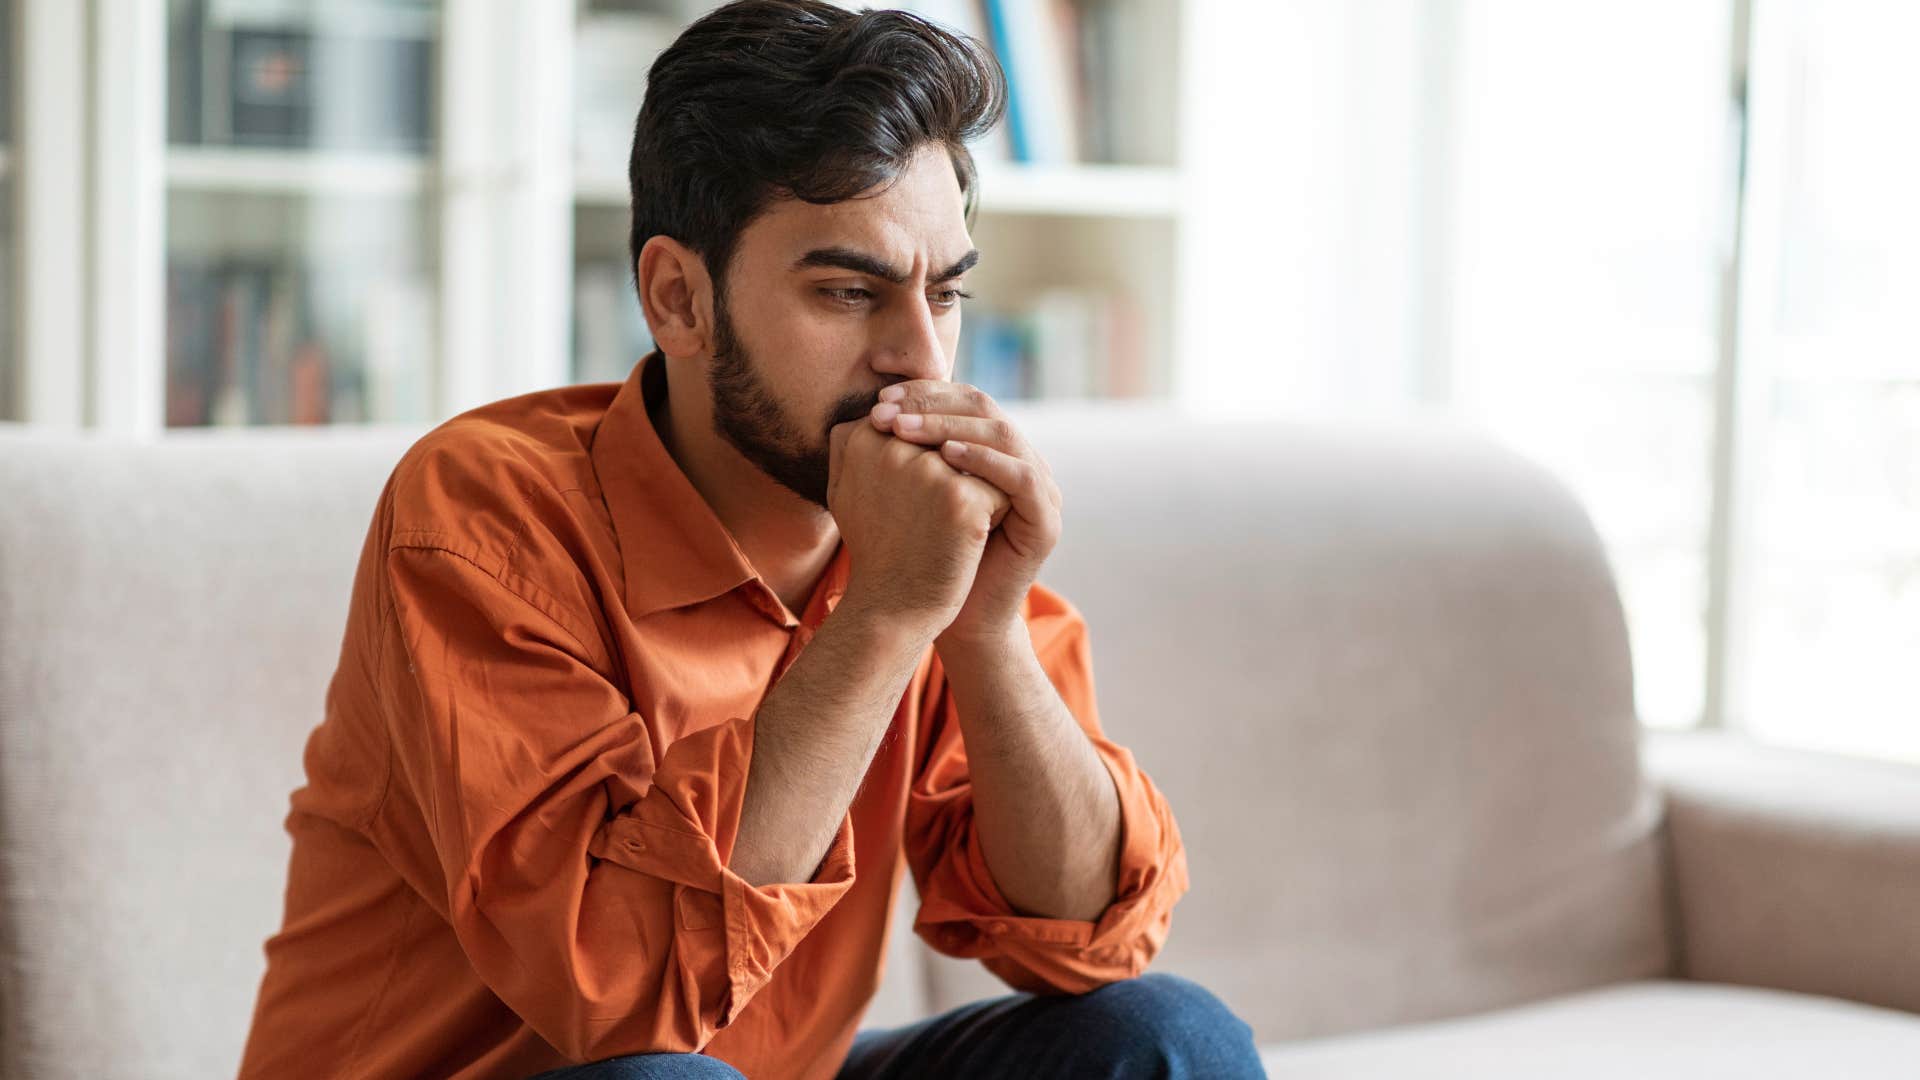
(893, 393)
(885, 412)
(907, 421)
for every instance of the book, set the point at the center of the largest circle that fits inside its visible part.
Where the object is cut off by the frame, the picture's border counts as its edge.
(994, 355)
(968, 17)
(1034, 39)
(246, 344)
(1063, 344)
(1065, 323)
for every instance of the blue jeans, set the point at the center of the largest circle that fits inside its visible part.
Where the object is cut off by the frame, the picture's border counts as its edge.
(1156, 1027)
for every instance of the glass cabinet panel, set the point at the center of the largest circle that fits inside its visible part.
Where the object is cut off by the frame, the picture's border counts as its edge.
(615, 42)
(9, 369)
(302, 233)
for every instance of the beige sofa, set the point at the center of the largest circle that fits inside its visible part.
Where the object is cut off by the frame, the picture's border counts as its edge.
(1380, 672)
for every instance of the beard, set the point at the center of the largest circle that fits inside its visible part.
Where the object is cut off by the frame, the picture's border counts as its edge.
(750, 417)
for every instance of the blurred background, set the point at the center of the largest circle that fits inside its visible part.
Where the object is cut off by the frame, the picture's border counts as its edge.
(1668, 248)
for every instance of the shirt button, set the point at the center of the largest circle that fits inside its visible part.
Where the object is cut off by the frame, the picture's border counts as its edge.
(998, 927)
(636, 845)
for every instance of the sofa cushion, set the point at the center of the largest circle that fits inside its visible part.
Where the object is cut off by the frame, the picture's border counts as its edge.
(1640, 1029)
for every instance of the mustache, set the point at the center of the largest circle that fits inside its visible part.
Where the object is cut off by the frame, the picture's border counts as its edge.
(852, 407)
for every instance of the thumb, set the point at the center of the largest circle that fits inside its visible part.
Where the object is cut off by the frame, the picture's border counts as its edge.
(837, 437)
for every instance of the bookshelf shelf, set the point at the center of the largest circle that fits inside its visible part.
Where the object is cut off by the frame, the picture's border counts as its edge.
(1086, 191)
(1125, 191)
(600, 188)
(298, 172)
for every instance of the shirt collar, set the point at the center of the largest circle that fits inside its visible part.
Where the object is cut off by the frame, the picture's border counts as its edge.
(674, 550)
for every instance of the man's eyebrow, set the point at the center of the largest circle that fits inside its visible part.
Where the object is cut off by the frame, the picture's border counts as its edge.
(860, 262)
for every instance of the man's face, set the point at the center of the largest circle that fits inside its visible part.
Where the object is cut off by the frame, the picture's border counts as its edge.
(823, 306)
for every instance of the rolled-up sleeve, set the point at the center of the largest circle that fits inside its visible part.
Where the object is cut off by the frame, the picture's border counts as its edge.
(584, 865)
(962, 912)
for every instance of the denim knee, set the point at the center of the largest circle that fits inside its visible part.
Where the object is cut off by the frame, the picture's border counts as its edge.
(1170, 1026)
(648, 1067)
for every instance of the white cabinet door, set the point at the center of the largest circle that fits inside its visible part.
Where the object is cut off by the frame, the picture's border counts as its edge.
(302, 251)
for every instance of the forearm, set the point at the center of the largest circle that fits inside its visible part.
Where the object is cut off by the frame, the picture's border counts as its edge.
(1045, 808)
(814, 736)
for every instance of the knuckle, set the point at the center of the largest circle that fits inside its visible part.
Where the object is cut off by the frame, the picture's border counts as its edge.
(930, 469)
(956, 501)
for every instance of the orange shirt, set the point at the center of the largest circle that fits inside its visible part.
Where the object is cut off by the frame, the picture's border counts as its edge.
(511, 850)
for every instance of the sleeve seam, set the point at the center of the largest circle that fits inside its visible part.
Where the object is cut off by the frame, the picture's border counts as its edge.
(390, 617)
(513, 583)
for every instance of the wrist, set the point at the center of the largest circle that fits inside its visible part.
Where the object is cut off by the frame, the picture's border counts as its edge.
(993, 643)
(880, 625)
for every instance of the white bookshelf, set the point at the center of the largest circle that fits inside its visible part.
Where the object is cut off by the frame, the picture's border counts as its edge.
(1082, 191)
(1093, 234)
(8, 385)
(488, 227)
(297, 172)
(1091, 191)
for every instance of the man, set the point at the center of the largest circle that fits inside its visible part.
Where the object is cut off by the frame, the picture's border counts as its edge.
(646, 688)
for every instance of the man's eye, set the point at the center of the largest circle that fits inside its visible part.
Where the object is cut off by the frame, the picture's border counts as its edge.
(950, 297)
(849, 296)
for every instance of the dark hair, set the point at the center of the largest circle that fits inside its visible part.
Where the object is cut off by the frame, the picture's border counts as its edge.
(801, 98)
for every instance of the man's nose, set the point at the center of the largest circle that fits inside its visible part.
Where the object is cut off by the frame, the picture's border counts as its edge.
(911, 347)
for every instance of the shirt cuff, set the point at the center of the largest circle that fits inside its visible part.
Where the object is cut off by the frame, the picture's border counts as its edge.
(764, 923)
(678, 832)
(966, 915)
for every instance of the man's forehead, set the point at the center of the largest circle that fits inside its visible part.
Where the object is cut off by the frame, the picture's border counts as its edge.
(799, 239)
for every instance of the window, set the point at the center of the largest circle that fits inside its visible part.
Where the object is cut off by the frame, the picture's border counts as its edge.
(1591, 179)
(1826, 647)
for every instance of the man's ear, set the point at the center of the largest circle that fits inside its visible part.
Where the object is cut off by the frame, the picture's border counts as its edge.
(676, 296)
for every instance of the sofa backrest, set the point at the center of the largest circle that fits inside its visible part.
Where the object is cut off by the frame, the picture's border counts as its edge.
(1380, 674)
(170, 613)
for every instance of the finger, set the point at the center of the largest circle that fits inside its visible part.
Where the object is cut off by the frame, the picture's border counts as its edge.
(932, 395)
(1030, 489)
(1001, 502)
(932, 429)
(837, 437)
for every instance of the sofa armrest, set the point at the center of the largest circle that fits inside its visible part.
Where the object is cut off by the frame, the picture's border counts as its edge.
(1791, 869)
